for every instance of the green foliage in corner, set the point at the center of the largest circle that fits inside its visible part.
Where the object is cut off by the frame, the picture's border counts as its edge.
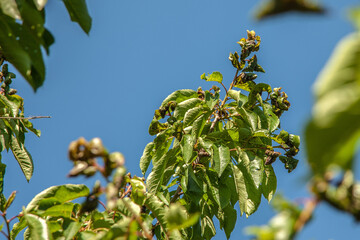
(23, 34)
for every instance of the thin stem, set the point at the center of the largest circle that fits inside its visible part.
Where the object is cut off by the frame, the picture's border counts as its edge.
(217, 117)
(176, 195)
(102, 204)
(7, 225)
(19, 215)
(28, 118)
(4, 234)
(305, 214)
(224, 88)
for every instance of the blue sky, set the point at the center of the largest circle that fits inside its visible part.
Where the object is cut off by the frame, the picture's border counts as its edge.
(108, 84)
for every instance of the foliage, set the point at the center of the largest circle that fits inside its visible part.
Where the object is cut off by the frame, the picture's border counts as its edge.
(208, 154)
(331, 135)
(23, 34)
(13, 124)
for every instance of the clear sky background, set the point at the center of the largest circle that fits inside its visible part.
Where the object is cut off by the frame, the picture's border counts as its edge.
(108, 85)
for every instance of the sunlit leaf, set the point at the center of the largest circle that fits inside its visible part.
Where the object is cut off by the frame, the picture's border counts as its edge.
(38, 228)
(199, 125)
(184, 106)
(221, 158)
(62, 210)
(156, 177)
(40, 4)
(22, 156)
(249, 195)
(192, 114)
(187, 144)
(215, 77)
(10, 8)
(269, 183)
(57, 195)
(211, 100)
(158, 209)
(146, 157)
(179, 96)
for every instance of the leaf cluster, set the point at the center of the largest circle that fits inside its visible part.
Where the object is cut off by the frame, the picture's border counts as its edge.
(23, 35)
(209, 154)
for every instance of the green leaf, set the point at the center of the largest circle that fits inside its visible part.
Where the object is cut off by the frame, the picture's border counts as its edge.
(138, 190)
(192, 114)
(71, 230)
(21, 48)
(58, 195)
(249, 194)
(62, 210)
(146, 157)
(333, 132)
(211, 100)
(187, 145)
(269, 183)
(180, 96)
(10, 8)
(207, 227)
(156, 177)
(9, 200)
(37, 227)
(249, 117)
(13, 107)
(229, 220)
(29, 126)
(273, 120)
(199, 125)
(184, 106)
(177, 217)
(290, 163)
(18, 227)
(214, 77)
(79, 13)
(234, 94)
(221, 158)
(22, 156)
(247, 86)
(158, 209)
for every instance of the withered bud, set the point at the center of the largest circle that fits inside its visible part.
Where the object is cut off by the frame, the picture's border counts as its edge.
(96, 147)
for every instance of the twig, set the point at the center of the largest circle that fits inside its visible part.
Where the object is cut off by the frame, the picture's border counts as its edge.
(224, 88)
(4, 234)
(7, 225)
(102, 204)
(28, 118)
(217, 117)
(176, 195)
(305, 214)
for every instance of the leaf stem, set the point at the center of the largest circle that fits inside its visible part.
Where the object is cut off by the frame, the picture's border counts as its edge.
(217, 117)
(7, 225)
(28, 118)
(305, 214)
